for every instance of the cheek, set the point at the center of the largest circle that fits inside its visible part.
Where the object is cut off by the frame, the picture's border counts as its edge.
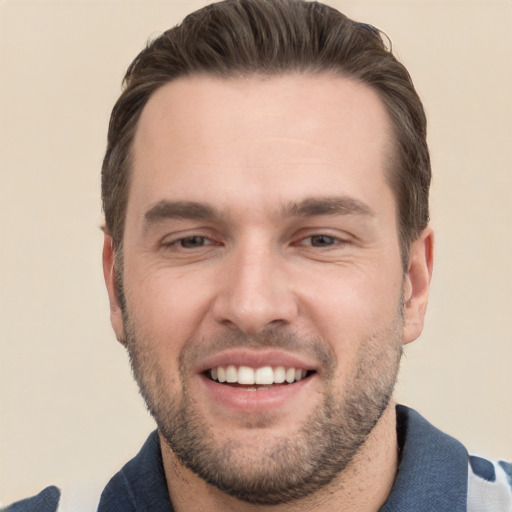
(167, 307)
(350, 308)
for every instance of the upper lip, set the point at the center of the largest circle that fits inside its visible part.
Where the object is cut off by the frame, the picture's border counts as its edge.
(257, 359)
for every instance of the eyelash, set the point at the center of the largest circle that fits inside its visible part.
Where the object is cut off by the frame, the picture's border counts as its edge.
(332, 240)
(183, 242)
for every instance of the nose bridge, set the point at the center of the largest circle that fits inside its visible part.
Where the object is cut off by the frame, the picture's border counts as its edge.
(255, 291)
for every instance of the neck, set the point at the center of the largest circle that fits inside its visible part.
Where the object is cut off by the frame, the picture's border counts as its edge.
(362, 487)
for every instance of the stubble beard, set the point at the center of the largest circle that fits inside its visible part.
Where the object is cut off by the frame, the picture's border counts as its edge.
(292, 467)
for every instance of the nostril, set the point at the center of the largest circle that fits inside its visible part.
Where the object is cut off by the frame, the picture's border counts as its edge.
(252, 302)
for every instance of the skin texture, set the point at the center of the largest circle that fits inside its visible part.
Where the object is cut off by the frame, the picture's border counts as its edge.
(260, 227)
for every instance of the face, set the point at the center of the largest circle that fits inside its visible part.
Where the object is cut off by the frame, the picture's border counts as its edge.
(266, 304)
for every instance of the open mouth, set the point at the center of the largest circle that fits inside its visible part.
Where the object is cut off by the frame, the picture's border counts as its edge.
(257, 379)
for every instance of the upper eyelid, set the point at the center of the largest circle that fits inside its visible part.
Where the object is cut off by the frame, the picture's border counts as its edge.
(175, 240)
(334, 237)
(214, 236)
(188, 232)
(327, 232)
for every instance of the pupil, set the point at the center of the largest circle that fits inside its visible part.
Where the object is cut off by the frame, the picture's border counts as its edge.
(193, 241)
(320, 240)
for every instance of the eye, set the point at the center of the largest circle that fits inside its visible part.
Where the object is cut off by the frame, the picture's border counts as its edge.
(192, 242)
(322, 240)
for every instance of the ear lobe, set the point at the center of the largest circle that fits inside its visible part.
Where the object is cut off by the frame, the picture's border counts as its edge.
(417, 284)
(116, 315)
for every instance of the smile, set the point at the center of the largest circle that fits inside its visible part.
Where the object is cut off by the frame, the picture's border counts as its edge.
(262, 376)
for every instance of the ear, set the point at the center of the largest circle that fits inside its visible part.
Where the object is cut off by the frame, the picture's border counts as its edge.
(116, 316)
(417, 284)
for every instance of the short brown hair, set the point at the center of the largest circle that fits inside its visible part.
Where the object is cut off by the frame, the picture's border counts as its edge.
(269, 37)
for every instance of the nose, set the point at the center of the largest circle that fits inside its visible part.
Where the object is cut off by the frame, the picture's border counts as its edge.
(255, 291)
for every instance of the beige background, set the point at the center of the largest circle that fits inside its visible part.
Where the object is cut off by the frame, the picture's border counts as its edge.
(69, 412)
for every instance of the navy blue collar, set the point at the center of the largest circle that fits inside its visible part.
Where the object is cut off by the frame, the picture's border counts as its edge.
(432, 474)
(433, 471)
(140, 485)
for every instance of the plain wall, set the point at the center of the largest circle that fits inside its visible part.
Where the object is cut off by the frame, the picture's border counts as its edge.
(69, 411)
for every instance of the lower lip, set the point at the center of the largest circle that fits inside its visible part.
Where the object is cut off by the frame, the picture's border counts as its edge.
(239, 399)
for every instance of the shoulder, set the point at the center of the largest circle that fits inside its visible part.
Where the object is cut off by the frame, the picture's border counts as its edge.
(77, 498)
(437, 473)
(489, 485)
(46, 501)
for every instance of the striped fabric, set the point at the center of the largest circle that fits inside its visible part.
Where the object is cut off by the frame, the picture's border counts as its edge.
(489, 485)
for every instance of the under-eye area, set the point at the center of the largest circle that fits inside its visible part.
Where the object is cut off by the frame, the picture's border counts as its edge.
(254, 379)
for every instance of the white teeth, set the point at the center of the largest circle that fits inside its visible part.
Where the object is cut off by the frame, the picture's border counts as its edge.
(231, 374)
(245, 375)
(263, 376)
(279, 375)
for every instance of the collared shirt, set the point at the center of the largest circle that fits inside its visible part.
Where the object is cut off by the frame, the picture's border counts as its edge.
(432, 476)
(435, 474)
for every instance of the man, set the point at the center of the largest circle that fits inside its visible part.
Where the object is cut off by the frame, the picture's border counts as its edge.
(267, 254)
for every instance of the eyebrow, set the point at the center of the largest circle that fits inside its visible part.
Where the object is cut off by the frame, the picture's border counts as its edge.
(309, 207)
(342, 205)
(179, 210)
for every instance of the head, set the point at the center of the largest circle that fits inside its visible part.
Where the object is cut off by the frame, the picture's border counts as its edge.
(269, 37)
(265, 191)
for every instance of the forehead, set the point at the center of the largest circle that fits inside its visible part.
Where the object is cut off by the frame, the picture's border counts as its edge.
(265, 134)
